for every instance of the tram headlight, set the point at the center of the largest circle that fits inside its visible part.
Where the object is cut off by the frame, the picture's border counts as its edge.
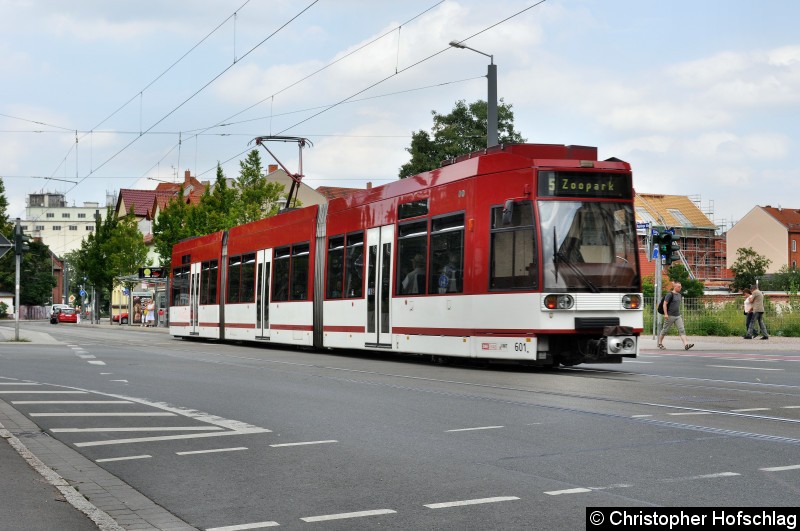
(631, 302)
(558, 302)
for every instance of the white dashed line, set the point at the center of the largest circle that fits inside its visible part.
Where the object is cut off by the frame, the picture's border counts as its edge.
(748, 368)
(32, 402)
(110, 459)
(18, 383)
(568, 491)
(194, 452)
(690, 413)
(780, 468)
(123, 381)
(152, 428)
(86, 356)
(462, 503)
(171, 437)
(480, 428)
(115, 414)
(300, 443)
(243, 527)
(705, 476)
(340, 516)
(750, 409)
(790, 407)
(96, 362)
(44, 392)
(640, 416)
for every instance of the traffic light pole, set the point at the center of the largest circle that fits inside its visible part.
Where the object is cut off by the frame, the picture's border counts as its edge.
(18, 259)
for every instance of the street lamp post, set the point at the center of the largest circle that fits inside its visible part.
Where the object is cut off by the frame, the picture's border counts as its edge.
(491, 76)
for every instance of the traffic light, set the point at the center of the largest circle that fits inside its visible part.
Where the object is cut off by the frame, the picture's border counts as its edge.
(668, 247)
(21, 241)
(673, 250)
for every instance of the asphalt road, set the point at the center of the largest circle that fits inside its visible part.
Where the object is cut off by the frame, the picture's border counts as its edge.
(223, 435)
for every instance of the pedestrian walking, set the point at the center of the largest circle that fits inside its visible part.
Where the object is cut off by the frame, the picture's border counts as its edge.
(748, 309)
(672, 316)
(758, 315)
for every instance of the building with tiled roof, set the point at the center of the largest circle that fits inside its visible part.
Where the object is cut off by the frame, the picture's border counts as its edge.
(700, 243)
(771, 232)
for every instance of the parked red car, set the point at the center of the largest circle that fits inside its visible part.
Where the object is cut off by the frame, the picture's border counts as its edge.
(68, 315)
(121, 318)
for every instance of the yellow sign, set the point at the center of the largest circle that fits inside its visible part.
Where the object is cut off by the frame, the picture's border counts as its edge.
(72, 298)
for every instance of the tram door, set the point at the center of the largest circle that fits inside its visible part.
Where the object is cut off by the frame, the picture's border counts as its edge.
(194, 299)
(263, 265)
(380, 241)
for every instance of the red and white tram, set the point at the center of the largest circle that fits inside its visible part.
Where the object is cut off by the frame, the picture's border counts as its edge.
(523, 252)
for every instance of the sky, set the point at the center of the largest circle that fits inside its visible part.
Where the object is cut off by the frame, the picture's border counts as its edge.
(702, 98)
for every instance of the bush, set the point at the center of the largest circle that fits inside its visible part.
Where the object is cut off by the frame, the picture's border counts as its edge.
(709, 325)
(3, 310)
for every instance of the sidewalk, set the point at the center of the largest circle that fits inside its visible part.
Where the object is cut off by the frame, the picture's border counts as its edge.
(28, 336)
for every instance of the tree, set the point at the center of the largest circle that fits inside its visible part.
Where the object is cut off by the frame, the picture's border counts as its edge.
(256, 197)
(689, 288)
(748, 267)
(171, 227)
(786, 279)
(460, 132)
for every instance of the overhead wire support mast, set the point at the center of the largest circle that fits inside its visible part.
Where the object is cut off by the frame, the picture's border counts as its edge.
(296, 177)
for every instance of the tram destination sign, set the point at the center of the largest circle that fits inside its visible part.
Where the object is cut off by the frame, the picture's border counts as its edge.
(585, 184)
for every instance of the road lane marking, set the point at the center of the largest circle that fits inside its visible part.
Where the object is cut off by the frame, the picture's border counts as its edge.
(462, 503)
(44, 392)
(704, 476)
(18, 383)
(691, 413)
(170, 437)
(86, 356)
(96, 362)
(640, 416)
(31, 402)
(748, 368)
(153, 428)
(750, 409)
(637, 361)
(243, 527)
(115, 414)
(790, 407)
(300, 443)
(194, 452)
(110, 459)
(123, 381)
(780, 468)
(568, 491)
(480, 428)
(340, 516)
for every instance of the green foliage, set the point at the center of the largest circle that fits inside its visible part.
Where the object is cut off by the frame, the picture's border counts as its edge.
(689, 288)
(256, 197)
(786, 279)
(36, 275)
(460, 132)
(170, 227)
(3, 310)
(748, 267)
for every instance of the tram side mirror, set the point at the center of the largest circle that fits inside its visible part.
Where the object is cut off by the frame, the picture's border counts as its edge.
(508, 212)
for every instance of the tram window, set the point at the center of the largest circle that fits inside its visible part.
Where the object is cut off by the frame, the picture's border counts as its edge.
(354, 266)
(447, 254)
(513, 249)
(180, 286)
(412, 209)
(247, 289)
(412, 250)
(234, 278)
(280, 280)
(208, 279)
(299, 286)
(335, 268)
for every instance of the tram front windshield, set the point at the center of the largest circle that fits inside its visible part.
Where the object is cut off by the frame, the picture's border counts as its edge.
(588, 246)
